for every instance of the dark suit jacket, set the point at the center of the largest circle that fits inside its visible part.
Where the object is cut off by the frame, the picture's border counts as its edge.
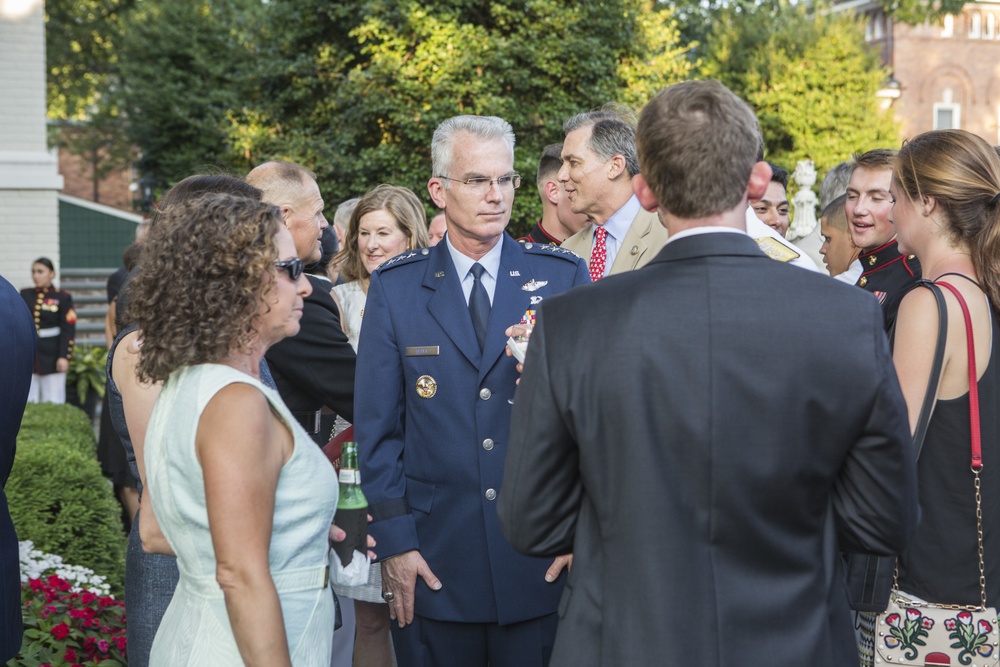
(315, 367)
(17, 358)
(431, 463)
(701, 432)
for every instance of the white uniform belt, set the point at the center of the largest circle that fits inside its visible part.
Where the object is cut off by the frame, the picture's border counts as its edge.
(286, 581)
(49, 332)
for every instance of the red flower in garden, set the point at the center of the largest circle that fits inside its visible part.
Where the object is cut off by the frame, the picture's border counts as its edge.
(35, 584)
(61, 631)
(120, 642)
(86, 597)
(102, 645)
(69, 655)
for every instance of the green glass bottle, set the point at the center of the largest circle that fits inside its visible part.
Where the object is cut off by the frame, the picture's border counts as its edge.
(352, 507)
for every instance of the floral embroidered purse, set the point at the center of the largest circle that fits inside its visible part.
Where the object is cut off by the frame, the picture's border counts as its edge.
(917, 633)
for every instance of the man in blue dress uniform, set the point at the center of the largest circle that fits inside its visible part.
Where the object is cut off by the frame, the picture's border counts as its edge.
(433, 399)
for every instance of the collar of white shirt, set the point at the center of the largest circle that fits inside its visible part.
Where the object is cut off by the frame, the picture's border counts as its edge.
(463, 264)
(695, 231)
(618, 224)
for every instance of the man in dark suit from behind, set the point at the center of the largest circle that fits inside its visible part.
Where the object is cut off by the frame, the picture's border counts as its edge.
(17, 358)
(315, 367)
(702, 476)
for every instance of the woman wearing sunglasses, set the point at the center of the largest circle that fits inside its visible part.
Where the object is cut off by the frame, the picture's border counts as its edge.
(243, 497)
(150, 574)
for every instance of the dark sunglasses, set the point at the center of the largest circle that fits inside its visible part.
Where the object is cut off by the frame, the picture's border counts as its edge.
(293, 267)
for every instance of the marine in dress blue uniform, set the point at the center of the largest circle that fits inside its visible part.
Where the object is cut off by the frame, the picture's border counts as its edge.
(433, 418)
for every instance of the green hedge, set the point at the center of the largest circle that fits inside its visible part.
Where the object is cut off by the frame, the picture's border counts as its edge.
(58, 497)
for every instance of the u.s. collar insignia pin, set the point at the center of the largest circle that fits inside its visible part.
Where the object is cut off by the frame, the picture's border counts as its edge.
(439, 274)
(533, 285)
(515, 274)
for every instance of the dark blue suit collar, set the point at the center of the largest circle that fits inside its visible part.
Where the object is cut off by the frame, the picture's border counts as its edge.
(709, 245)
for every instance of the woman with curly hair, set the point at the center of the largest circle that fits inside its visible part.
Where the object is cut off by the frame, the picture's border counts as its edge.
(946, 186)
(243, 497)
(150, 574)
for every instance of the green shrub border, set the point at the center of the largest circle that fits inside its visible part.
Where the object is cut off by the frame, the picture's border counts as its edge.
(58, 497)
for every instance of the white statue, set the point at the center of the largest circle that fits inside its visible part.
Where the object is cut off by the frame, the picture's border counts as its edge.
(805, 201)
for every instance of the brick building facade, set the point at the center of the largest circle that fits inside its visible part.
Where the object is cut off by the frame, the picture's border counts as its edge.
(110, 190)
(945, 74)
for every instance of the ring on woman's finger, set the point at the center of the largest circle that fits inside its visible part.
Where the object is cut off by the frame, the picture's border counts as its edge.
(388, 596)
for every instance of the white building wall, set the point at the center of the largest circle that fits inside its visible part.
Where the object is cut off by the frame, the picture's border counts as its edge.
(29, 179)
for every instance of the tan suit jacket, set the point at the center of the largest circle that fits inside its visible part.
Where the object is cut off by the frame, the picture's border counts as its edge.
(646, 235)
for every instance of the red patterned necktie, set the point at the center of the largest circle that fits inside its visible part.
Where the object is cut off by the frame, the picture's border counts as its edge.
(599, 255)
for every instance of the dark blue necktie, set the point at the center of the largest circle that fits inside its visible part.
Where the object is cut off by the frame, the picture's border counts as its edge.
(479, 304)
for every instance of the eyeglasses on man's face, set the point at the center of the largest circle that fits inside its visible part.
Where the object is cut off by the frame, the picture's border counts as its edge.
(481, 185)
(293, 267)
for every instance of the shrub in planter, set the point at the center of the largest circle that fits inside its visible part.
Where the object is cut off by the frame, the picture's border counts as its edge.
(60, 424)
(60, 501)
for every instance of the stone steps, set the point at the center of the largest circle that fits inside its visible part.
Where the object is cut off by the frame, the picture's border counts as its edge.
(90, 300)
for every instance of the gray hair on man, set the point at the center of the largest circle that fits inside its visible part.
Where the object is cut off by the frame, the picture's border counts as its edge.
(613, 133)
(485, 128)
(343, 213)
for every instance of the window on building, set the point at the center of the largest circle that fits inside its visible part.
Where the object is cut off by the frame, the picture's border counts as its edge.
(947, 116)
(869, 28)
(975, 25)
(879, 25)
(948, 27)
(991, 26)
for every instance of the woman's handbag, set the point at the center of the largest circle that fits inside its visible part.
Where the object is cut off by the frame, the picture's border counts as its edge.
(913, 632)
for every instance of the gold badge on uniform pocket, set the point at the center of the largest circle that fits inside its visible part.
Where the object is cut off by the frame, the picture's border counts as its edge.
(426, 386)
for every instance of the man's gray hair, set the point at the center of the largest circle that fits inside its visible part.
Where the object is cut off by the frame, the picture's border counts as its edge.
(343, 213)
(485, 128)
(613, 133)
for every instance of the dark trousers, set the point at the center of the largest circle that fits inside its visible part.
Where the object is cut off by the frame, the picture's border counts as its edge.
(429, 643)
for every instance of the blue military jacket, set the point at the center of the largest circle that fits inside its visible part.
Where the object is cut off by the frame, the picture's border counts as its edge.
(432, 417)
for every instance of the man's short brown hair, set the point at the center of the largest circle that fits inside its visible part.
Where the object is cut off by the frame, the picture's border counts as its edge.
(697, 144)
(549, 164)
(878, 158)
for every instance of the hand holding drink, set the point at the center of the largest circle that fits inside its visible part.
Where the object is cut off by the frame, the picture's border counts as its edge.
(517, 341)
(352, 508)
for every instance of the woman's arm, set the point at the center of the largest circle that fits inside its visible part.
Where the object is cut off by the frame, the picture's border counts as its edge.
(109, 324)
(340, 309)
(138, 400)
(913, 348)
(241, 447)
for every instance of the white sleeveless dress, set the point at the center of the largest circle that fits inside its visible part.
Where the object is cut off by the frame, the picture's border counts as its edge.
(195, 629)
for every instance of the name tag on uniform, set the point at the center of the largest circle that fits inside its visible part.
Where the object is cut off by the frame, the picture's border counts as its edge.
(423, 351)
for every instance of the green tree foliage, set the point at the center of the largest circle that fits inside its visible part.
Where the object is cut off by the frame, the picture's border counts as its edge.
(179, 63)
(81, 43)
(356, 93)
(811, 80)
